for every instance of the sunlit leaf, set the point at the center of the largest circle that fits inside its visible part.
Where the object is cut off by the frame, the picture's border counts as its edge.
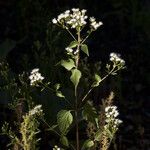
(59, 94)
(87, 144)
(73, 44)
(57, 86)
(97, 79)
(68, 64)
(84, 48)
(75, 77)
(64, 120)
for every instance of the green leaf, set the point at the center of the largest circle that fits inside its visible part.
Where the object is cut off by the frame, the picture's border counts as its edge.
(64, 141)
(57, 86)
(87, 144)
(75, 77)
(59, 94)
(84, 48)
(97, 80)
(73, 44)
(109, 133)
(64, 120)
(98, 135)
(68, 64)
(89, 112)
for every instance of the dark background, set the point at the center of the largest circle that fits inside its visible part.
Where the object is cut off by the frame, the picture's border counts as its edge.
(28, 39)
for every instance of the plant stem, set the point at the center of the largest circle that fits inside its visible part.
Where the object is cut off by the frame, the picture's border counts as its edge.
(76, 98)
(86, 38)
(71, 34)
(84, 98)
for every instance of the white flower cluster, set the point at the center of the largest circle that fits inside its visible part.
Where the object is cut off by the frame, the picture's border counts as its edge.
(114, 57)
(36, 110)
(56, 148)
(75, 18)
(111, 113)
(70, 51)
(94, 24)
(35, 76)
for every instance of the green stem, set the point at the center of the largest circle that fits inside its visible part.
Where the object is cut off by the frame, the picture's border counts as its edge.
(50, 127)
(76, 98)
(45, 86)
(86, 38)
(84, 98)
(71, 34)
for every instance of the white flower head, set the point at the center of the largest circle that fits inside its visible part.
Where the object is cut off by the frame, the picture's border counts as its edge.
(35, 77)
(54, 21)
(71, 18)
(111, 113)
(56, 148)
(69, 50)
(35, 70)
(76, 52)
(115, 57)
(36, 110)
(94, 25)
(75, 18)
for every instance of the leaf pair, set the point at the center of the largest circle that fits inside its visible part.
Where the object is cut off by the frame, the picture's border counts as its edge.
(76, 74)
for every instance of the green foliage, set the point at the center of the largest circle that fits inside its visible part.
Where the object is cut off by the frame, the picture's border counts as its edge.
(28, 129)
(87, 144)
(64, 141)
(59, 94)
(64, 120)
(98, 135)
(73, 44)
(84, 48)
(89, 112)
(75, 77)
(97, 79)
(68, 64)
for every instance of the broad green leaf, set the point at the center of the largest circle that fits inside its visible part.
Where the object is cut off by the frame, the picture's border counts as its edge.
(84, 48)
(68, 64)
(64, 141)
(73, 44)
(98, 135)
(87, 144)
(64, 120)
(75, 77)
(59, 94)
(97, 79)
(89, 112)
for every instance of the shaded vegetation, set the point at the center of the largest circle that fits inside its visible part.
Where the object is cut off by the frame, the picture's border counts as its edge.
(28, 40)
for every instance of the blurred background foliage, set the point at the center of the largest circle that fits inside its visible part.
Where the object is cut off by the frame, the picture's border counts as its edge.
(28, 40)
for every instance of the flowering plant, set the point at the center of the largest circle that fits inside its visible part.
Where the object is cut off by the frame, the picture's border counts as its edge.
(76, 20)
(29, 128)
